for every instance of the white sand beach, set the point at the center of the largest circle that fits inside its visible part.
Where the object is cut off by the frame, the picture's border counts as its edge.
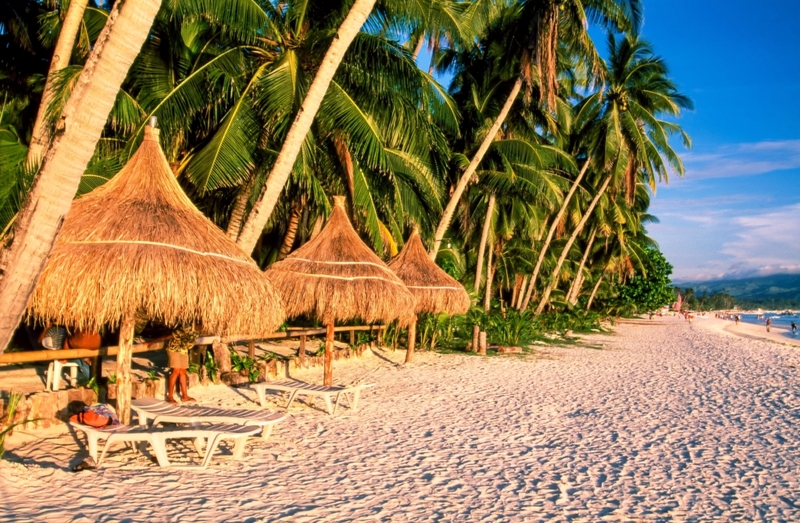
(661, 422)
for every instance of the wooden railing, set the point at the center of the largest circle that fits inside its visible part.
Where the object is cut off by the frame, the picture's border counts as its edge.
(292, 332)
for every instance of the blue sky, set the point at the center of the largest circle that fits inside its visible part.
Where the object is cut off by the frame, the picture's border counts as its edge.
(736, 211)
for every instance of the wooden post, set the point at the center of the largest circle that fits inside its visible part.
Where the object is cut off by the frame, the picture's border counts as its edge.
(412, 338)
(124, 370)
(251, 349)
(380, 336)
(476, 332)
(327, 378)
(482, 344)
(97, 369)
(352, 338)
(301, 352)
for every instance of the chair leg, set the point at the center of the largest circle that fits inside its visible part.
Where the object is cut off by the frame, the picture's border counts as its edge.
(91, 440)
(338, 399)
(212, 447)
(292, 396)
(105, 449)
(49, 376)
(73, 375)
(354, 404)
(262, 396)
(238, 448)
(56, 375)
(328, 404)
(160, 448)
(266, 431)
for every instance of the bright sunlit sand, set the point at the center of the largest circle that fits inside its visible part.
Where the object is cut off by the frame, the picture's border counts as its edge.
(669, 421)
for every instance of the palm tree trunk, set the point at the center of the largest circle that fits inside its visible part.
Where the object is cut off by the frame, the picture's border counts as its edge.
(552, 232)
(521, 296)
(268, 198)
(575, 288)
(594, 292)
(239, 206)
(487, 224)
(515, 291)
(568, 246)
(487, 298)
(449, 211)
(64, 163)
(40, 137)
(418, 47)
(291, 232)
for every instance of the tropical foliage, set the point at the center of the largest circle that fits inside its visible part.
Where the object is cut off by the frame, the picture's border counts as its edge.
(529, 152)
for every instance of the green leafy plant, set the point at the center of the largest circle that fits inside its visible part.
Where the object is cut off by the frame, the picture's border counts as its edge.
(151, 376)
(211, 369)
(112, 379)
(245, 364)
(92, 384)
(7, 428)
(194, 368)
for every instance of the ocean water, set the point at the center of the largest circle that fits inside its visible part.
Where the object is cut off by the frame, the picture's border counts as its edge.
(780, 322)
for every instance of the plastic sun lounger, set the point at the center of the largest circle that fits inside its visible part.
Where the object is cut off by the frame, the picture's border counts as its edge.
(161, 411)
(300, 388)
(158, 436)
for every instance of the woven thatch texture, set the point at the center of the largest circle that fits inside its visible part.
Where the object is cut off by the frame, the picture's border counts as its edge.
(138, 242)
(336, 277)
(435, 290)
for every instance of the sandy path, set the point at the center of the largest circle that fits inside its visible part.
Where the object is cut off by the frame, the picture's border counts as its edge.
(666, 422)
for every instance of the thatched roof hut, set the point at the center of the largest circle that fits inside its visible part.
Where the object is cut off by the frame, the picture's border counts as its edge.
(139, 243)
(336, 277)
(435, 290)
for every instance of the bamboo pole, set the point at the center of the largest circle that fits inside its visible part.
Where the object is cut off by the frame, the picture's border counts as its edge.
(482, 343)
(124, 370)
(412, 339)
(352, 337)
(327, 379)
(251, 349)
(476, 333)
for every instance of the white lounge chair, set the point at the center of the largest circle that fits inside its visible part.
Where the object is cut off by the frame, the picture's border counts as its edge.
(300, 388)
(158, 436)
(161, 411)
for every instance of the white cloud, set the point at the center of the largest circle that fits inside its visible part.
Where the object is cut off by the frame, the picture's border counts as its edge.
(744, 159)
(731, 245)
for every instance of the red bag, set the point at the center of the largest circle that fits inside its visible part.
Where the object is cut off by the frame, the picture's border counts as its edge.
(92, 419)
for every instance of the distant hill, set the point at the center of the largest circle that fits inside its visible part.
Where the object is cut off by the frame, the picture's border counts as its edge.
(776, 291)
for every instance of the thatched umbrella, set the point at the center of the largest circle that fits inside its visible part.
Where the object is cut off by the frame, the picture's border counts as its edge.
(435, 290)
(336, 277)
(138, 244)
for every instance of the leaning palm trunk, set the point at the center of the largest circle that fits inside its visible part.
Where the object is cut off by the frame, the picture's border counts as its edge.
(268, 198)
(85, 116)
(568, 246)
(575, 288)
(239, 206)
(291, 232)
(594, 292)
(518, 304)
(551, 233)
(487, 224)
(40, 136)
(449, 211)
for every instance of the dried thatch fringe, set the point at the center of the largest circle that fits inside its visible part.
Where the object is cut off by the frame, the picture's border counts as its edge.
(138, 244)
(336, 277)
(435, 290)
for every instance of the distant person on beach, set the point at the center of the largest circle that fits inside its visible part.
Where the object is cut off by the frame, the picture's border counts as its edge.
(737, 319)
(768, 322)
(794, 328)
(178, 348)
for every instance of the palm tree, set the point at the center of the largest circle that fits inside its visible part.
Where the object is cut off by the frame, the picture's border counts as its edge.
(73, 19)
(622, 122)
(282, 168)
(65, 162)
(531, 34)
